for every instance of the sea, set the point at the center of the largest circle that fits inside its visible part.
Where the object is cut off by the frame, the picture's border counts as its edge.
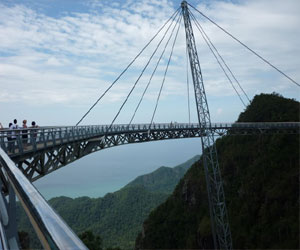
(109, 170)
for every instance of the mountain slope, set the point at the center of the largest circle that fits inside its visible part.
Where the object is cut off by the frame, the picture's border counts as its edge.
(118, 216)
(163, 179)
(260, 175)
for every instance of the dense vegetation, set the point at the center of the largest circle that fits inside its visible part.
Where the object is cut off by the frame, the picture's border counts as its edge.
(117, 217)
(91, 241)
(261, 182)
(164, 179)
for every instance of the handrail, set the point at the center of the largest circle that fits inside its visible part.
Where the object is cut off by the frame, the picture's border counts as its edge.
(19, 141)
(52, 231)
(3, 240)
(116, 127)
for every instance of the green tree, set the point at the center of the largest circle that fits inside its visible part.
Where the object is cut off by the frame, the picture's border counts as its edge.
(261, 183)
(91, 241)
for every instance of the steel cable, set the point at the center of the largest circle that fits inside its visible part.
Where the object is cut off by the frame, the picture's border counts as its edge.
(153, 73)
(220, 57)
(149, 60)
(126, 68)
(208, 44)
(164, 78)
(255, 53)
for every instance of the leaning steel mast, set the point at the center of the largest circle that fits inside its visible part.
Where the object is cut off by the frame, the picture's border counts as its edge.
(216, 198)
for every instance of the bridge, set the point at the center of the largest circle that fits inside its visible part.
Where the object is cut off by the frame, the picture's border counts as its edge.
(46, 149)
(49, 148)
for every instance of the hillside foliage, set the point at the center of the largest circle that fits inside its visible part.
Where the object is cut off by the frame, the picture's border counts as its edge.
(261, 183)
(115, 219)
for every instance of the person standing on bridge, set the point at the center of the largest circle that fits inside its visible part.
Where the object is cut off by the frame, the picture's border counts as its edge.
(9, 139)
(33, 131)
(13, 127)
(25, 133)
(15, 124)
(33, 125)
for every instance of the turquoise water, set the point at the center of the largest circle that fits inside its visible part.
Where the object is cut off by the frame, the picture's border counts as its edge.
(109, 170)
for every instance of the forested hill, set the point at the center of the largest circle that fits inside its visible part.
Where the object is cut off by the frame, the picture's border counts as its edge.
(118, 216)
(261, 182)
(163, 179)
(271, 108)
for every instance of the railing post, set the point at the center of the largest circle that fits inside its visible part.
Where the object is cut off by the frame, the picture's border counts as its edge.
(68, 134)
(2, 143)
(33, 138)
(44, 138)
(73, 134)
(60, 136)
(53, 133)
(19, 142)
(48, 135)
(76, 133)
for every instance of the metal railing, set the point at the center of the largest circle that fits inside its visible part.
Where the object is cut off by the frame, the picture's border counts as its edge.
(52, 231)
(19, 141)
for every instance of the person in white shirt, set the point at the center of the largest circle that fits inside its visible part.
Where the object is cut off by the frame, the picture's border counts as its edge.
(13, 133)
(14, 126)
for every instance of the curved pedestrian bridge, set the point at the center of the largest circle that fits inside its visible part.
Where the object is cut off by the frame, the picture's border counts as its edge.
(39, 151)
(36, 139)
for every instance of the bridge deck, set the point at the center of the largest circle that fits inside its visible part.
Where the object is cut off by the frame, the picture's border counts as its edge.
(37, 139)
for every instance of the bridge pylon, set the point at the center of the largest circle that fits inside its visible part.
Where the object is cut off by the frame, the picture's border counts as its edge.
(216, 197)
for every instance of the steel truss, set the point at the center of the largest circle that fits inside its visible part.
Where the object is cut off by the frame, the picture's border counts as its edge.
(48, 159)
(216, 197)
(54, 148)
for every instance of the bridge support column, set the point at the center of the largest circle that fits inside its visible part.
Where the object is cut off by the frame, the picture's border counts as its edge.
(216, 197)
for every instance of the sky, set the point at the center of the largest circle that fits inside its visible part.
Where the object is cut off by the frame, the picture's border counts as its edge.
(58, 56)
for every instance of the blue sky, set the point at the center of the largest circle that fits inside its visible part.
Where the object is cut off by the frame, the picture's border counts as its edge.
(57, 57)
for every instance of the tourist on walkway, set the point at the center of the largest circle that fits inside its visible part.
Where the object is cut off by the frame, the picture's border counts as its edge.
(25, 133)
(15, 124)
(33, 125)
(33, 131)
(13, 127)
(9, 139)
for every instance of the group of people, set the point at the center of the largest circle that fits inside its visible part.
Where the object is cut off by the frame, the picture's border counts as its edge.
(16, 130)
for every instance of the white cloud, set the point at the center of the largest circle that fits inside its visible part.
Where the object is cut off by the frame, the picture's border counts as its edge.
(77, 55)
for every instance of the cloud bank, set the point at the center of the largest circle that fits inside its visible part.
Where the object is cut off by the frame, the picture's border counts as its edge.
(71, 58)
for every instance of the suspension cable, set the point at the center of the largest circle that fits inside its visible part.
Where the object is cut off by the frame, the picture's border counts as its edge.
(165, 73)
(216, 50)
(187, 82)
(126, 68)
(229, 79)
(255, 53)
(149, 60)
(145, 90)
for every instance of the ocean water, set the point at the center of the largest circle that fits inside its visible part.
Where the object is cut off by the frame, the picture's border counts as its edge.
(110, 169)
